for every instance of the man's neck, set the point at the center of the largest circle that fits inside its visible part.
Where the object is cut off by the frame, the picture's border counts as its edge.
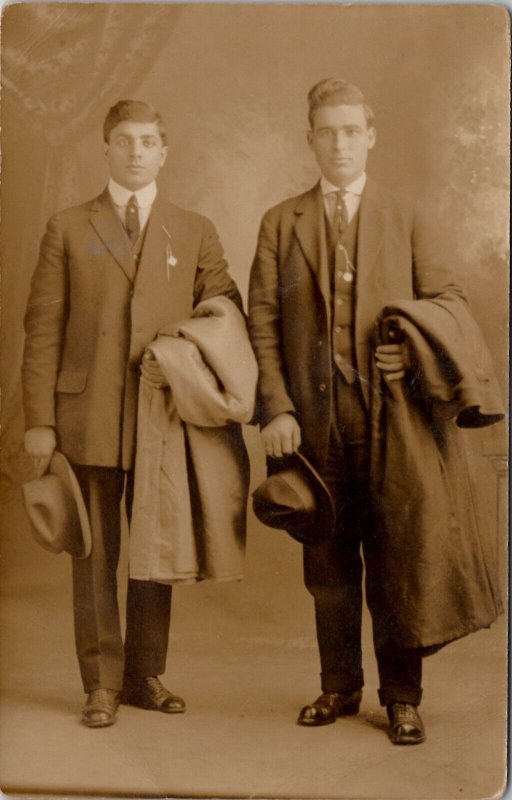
(356, 186)
(145, 194)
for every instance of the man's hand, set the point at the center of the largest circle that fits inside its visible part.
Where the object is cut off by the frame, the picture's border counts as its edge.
(281, 436)
(40, 444)
(151, 372)
(393, 360)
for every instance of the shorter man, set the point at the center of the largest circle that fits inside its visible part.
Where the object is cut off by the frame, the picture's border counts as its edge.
(111, 273)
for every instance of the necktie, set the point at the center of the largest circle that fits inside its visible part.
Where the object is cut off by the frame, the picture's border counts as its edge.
(340, 222)
(340, 219)
(132, 222)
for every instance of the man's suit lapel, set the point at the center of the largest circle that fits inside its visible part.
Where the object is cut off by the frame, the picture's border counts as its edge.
(370, 230)
(160, 242)
(310, 232)
(370, 238)
(108, 226)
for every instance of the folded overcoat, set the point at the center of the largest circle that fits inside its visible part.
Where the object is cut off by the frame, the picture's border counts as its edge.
(192, 470)
(438, 555)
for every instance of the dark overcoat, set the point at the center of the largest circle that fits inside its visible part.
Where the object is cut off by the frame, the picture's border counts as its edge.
(438, 552)
(91, 313)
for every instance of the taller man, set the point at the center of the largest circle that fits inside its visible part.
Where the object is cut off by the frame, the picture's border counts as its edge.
(111, 273)
(327, 263)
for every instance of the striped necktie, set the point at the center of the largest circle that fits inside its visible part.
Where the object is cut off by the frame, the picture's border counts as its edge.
(132, 222)
(340, 218)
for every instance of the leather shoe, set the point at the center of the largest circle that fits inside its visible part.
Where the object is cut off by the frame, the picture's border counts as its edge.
(100, 710)
(150, 693)
(329, 706)
(405, 725)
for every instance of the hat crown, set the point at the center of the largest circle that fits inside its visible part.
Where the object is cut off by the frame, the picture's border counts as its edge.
(56, 510)
(296, 499)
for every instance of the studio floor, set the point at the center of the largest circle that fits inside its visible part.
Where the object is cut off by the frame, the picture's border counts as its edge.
(244, 657)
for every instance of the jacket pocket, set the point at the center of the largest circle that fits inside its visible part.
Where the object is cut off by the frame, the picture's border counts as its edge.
(71, 382)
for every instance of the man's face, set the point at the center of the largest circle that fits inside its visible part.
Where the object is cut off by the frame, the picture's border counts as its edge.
(340, 140)
(135, 153)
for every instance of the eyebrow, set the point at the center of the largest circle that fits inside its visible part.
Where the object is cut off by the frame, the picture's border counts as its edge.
(141, 136)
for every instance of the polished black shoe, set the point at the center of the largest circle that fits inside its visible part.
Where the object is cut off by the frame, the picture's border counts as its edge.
(329, 706)
(100, 710)
(405, 725)
(151, 694)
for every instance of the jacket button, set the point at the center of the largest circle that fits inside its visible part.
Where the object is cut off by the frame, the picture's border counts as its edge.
(322, 387)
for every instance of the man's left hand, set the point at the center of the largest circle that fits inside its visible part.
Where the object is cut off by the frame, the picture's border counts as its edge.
(151, 372)
(393, 361)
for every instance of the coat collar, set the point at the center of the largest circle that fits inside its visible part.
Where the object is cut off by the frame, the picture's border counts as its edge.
(370, 230)
(310, 226)
(310, 232)
(108, 226)
(161, 241)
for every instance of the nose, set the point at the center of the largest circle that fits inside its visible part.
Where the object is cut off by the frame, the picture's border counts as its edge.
(338, 139)
(135, 148)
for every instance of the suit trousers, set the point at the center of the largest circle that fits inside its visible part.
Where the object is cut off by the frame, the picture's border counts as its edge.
(333, 570)
(103, 658)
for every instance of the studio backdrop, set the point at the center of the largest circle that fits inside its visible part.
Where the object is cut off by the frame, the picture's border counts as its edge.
(231, 83)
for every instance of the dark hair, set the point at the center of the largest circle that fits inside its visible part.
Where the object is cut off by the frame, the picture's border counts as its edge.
(336, 92)
(135, 111)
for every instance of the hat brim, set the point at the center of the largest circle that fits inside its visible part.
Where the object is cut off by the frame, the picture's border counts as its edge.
(60, 466)
(308, 526)
(78, 542)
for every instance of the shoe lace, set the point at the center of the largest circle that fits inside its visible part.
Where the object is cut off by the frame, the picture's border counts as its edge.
(160, 692)
(405, 712)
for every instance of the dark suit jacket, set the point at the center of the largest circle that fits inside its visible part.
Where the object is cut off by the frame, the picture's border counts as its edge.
(91, 314)
(290, 305)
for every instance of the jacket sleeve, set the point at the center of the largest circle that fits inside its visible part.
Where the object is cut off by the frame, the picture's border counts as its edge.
(265, 324)
(45, 321)
(432, 276)
(212, 276)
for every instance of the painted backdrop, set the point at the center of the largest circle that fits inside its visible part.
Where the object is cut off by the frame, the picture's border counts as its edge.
(231, 83)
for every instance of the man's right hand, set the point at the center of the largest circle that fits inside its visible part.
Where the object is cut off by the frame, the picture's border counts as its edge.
(281, 436)
(40, 444)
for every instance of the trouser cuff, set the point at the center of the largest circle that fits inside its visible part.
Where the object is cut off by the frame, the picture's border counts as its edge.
(400, 694)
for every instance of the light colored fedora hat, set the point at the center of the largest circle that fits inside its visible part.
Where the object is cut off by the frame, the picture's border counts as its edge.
(57, 511)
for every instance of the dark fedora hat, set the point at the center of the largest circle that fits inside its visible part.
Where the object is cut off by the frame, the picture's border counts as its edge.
(294, 498)
(57, 511)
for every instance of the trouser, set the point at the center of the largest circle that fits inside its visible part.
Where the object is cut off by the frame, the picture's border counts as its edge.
(103, 658)
(333, 570)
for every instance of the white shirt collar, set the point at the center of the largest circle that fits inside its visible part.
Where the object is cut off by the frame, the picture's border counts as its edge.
(120, 195)
(356, 187)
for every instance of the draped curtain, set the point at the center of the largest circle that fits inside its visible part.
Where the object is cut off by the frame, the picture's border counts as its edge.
(63, 65)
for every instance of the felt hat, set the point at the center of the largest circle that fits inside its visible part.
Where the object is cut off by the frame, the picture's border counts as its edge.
(57, 511)
(294, 498)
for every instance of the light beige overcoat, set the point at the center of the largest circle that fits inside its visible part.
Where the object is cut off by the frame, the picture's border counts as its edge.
(192, 469)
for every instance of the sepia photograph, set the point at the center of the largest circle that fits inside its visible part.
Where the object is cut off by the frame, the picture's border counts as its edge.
(254, 379)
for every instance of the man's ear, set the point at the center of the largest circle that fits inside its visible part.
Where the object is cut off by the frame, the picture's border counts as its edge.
(372, 138)
(163, 157)
(309, 136)
(105, 148)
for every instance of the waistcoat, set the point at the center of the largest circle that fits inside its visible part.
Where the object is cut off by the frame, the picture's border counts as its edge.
(343, 298)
